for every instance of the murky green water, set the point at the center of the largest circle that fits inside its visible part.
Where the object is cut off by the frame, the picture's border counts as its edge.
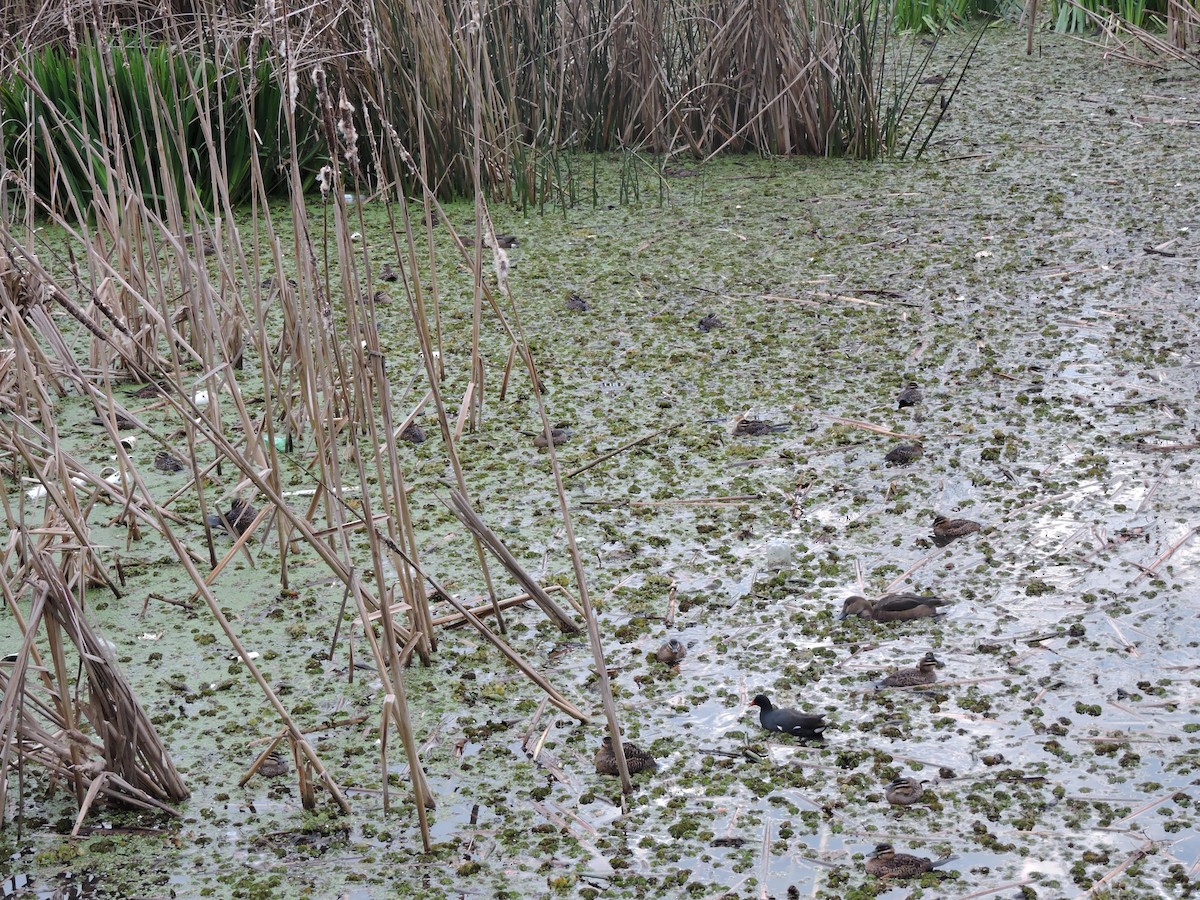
(1009, 275)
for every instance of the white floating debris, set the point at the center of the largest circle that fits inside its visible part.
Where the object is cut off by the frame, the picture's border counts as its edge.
(151, 636)
(129, 442)
(779, 555)
(200, 398)
(355, 237)
(983, 254)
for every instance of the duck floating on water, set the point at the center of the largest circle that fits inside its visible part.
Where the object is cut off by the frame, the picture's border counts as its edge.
(893, 607)
(885, 862)
(788, 721)
(558, 435)
(910, 396)
(636, 759)
(903, 454)
(948, 529)
(239, 518)
(923, 674)
(671, 652)
(904, 791)
(757, 427)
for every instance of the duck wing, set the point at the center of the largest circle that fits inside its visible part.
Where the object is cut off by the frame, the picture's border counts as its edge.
(906, 602)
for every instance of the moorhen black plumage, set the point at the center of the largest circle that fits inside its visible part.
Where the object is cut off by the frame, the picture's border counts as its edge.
(788, 721)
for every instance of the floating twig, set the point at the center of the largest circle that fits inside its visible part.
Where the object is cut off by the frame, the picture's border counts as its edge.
(1167, 554)
(611, 453)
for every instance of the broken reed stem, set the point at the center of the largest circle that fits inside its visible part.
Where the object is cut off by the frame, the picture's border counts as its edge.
(1125, 864)
(433, 362)
(996, 889)
(764, 868)
(461, 507)
(557, 698)
(610, 454)
(454, 620)
(1167, 553)
(877, 429)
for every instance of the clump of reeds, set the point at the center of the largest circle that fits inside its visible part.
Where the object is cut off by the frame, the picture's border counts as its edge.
(168, 290)
(693, 77)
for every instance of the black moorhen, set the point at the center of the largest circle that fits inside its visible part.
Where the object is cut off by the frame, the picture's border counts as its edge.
(788, 720)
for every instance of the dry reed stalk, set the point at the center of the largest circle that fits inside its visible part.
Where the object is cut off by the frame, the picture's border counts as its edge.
(1137, 854)
(461, 507)
(627, 446)
(555, 696)
(455, 620)
(606, 696)
(433, 361)
(135, 767)
(877, 429)
(1008, 885)
(1166, 554)
(210, 600)
(213, 330)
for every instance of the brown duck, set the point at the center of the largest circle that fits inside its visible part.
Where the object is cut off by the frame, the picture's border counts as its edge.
(757, 427)
(885, 862)
(239, 518)
(910, 396)
(892, 607)
(557, 435)
(274, 765)
(124, 421)
(414, 434)
(637, 759)
(904, 791)
(575, 303)
(903, 454)
(166, 462)
(148, 392)
(923, 674)
(387, 273)
(710, 323)
(948, 529)
(671, 652)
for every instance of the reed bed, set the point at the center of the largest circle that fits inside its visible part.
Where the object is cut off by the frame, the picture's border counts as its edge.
(245, 354)
(234, 99)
